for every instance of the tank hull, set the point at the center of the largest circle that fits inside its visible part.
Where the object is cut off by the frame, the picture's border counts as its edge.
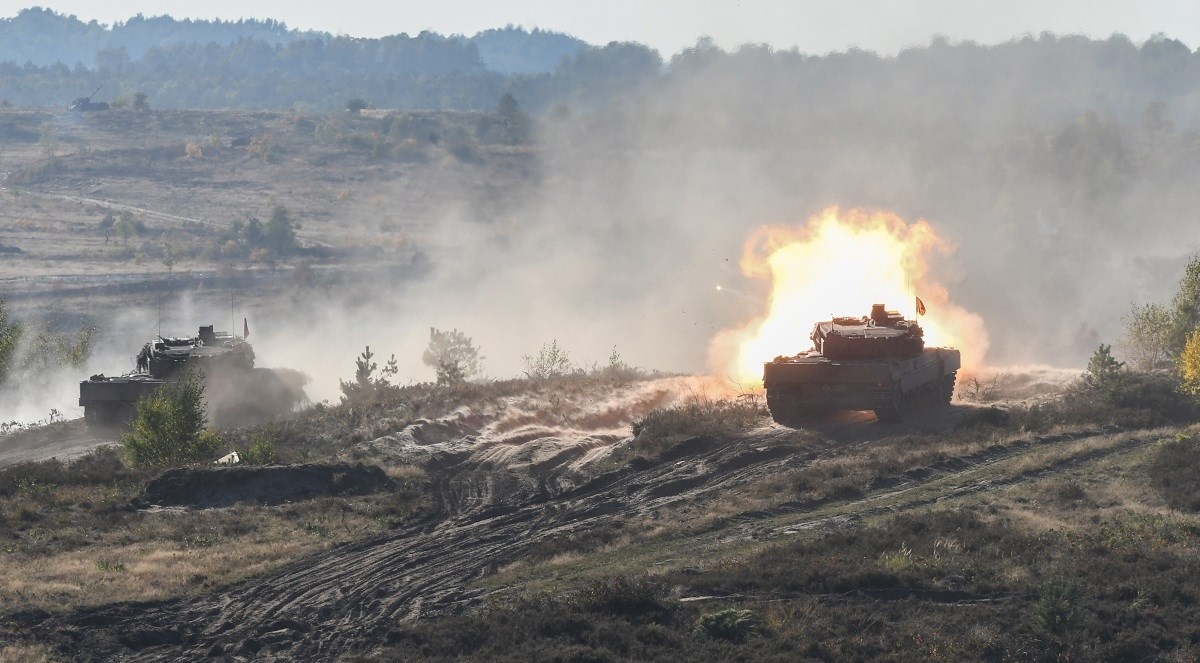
(236, 397)
(808, 384)
(235, 391)
(110, 401)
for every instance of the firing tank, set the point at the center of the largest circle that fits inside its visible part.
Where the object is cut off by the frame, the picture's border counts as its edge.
(86, 105)
(877, 362)
(236, 391)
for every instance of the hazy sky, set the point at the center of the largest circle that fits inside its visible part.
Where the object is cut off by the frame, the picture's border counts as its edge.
(815, 26)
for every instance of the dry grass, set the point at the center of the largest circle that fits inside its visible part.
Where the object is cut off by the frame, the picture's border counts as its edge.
(26, 654)
(65, 543)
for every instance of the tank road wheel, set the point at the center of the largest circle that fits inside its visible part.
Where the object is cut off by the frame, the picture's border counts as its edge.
(895, 411)
(101, 415)
(787, 412)
(108, 415)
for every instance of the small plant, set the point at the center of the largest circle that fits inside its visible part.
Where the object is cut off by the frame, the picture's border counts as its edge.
(366, 385)
(731, 624)
(261, 450)
(989, 388)
(110, 566)
(1104, 372)
(1057, 608)
(622, 595)
(551, 361)
(898, 560)
(618, 369)
(263, 146)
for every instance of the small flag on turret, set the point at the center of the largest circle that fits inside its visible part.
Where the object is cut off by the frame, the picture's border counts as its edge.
(246, 327)
(920, 307)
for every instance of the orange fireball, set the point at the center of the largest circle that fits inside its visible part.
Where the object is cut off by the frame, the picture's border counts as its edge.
(840, 263)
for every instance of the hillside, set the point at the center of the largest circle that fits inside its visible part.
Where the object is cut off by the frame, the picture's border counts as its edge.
(527, 522)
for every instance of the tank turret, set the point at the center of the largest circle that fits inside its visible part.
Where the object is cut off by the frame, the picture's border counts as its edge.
(882, 334)
(163, 358)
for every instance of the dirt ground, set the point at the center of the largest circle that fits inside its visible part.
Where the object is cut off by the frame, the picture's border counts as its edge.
(330, 604)
(514, 479)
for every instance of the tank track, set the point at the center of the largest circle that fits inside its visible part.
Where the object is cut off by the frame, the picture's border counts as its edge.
(928, 396)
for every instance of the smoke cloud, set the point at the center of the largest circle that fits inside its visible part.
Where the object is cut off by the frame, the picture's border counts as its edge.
(1066, 197)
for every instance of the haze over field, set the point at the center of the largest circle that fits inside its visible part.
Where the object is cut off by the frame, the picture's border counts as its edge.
(1058, 169)
(522, 297)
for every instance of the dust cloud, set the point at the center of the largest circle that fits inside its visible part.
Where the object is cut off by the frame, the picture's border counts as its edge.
(1064, 202)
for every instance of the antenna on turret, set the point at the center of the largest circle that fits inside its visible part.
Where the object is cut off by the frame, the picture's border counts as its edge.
(158, 300)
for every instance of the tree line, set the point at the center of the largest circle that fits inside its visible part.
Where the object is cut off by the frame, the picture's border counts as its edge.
(47, 60)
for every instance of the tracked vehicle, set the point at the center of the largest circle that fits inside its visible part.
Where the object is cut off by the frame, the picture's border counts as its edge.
(877, 362)
(235, 388)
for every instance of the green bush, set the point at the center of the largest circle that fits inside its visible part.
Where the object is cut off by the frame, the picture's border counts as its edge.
(169, 427)
(729, 624)
(261, 450)
(1057, 608)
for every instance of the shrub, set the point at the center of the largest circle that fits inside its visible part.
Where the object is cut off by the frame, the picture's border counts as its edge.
(707, 417)
(1140, 400)
(1057, 608)
(1147, 338)
(551, 361)
(454, 355)
(623, 595)
(261, 450)
(1103, 370)
(1174, 472)
(169, 427)
(729, 624)
(1189, 364)
(366, 386)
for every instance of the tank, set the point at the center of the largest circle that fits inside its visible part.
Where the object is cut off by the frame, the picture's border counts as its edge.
(86, 105)
(875, 362)
(235, 390)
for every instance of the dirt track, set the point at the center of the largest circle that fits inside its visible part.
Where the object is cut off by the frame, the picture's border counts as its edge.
(64, 441)
(350, 598)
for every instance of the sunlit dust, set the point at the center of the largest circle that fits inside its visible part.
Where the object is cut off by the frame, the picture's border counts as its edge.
(840, 263)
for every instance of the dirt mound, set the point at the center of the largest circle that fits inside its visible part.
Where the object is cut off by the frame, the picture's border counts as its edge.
(206, 488)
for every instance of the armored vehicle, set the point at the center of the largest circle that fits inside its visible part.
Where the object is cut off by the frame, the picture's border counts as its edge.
(235, 388)
(877, 362)
(86, 105)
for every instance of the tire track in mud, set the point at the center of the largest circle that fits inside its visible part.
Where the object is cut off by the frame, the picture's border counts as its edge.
(352, 597)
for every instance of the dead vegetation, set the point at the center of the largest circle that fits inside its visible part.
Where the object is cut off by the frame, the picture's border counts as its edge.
(71, 536)
(717, 537)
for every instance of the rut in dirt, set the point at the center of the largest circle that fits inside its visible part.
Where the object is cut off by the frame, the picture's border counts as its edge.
(352, 598)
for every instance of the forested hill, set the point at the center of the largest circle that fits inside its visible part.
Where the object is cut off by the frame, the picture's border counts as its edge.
(43, 38)
(47, 59)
